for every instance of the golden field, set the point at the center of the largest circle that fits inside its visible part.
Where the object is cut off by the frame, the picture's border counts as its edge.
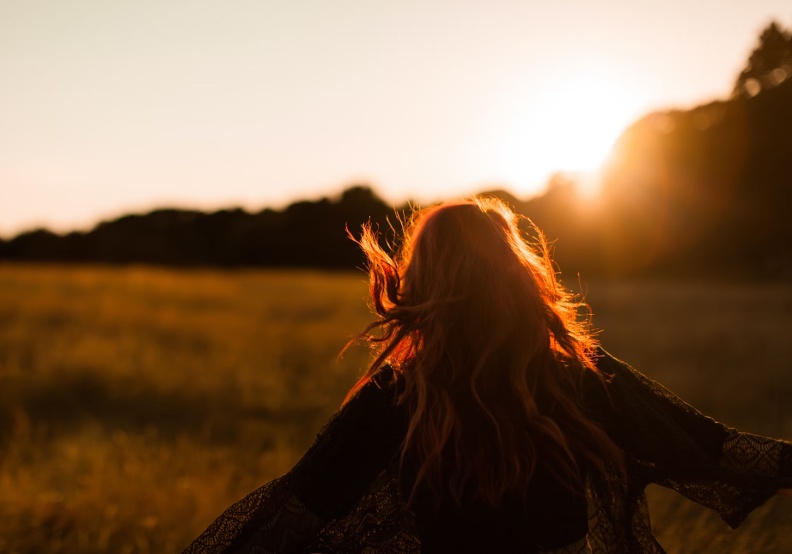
(137, 403)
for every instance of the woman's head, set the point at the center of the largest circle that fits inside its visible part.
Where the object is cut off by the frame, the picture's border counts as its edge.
(458, 252)
(488, 346)
(452, 250)
(464, 271)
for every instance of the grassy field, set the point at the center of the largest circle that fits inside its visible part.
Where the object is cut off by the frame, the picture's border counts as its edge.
(137, 403)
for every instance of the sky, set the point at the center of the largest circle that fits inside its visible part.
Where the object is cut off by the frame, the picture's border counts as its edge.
(111, 107)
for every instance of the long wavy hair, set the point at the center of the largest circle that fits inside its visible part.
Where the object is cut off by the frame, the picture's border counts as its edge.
(489, 348)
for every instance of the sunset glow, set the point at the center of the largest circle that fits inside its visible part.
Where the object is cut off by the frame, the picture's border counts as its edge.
(569, 128)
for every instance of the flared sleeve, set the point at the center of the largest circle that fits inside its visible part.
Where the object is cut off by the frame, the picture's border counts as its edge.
(670, 443)
(341, 496)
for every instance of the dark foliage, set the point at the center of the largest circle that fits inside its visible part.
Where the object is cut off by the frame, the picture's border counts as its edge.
(306, 234)
(769, 64)
(705, 190)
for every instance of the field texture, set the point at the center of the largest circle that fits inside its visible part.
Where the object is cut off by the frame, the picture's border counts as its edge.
(137, 403)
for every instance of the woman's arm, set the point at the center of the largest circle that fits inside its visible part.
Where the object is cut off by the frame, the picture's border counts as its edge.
(676, 446)
(292, 512)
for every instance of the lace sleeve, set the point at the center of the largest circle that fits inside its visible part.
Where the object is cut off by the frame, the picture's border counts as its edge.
(337, 484)
(271, 519)
(750, 454)
(676, 446)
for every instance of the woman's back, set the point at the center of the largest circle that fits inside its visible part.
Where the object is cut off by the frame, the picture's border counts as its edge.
(545, 516)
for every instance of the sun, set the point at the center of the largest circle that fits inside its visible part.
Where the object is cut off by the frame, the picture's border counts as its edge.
(568, 125)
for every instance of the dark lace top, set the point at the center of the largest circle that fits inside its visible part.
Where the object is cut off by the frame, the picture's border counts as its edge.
(345, 494)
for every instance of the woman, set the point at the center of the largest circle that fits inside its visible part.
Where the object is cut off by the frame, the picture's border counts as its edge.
(490, 421)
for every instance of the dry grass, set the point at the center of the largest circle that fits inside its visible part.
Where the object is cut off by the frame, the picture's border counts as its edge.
(137, 403)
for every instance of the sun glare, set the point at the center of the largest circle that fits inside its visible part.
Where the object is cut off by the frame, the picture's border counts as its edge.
(569, 126)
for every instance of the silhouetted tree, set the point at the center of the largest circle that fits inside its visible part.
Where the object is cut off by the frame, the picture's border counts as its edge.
(770, 63)
(35, 245)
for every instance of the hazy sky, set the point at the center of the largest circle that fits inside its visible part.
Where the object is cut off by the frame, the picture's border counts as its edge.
(109, 106)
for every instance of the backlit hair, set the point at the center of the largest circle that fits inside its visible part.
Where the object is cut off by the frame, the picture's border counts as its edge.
(489, 348)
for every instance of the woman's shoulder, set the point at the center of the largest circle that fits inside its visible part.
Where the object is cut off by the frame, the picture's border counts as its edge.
(385, 377)
(378, 397)
(613, 375)
(609, 365)
(616, 383)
